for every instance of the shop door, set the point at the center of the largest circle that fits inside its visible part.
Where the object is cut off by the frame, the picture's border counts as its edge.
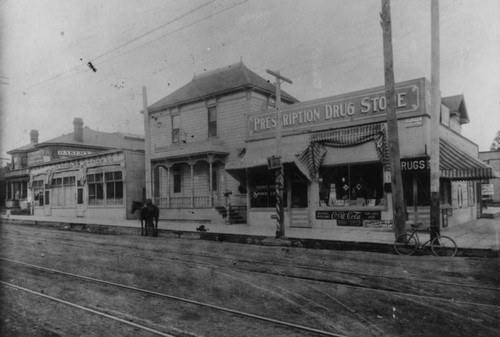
(299, 211)
(417, 193)
(46, 203)
(80, 202)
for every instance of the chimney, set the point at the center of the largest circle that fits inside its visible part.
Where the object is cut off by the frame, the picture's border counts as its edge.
(78, 129)
(34, 136)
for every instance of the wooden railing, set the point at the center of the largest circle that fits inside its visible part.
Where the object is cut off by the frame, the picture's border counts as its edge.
(199, 201)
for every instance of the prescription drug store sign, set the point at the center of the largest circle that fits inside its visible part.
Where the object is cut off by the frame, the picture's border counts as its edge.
(339, 111)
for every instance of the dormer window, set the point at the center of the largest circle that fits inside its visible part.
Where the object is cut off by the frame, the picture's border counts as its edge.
(212, 121)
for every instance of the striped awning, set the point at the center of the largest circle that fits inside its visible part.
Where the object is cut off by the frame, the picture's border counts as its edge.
(312, 156)
(455, 164)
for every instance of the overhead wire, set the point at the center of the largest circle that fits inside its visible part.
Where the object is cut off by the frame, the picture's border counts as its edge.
(72, 70)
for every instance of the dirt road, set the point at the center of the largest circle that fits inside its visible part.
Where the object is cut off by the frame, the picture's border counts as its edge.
(185, 287)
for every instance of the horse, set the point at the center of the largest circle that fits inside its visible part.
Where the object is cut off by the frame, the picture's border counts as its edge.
(148, 215)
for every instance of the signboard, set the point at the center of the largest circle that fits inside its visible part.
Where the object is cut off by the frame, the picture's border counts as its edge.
(274, 162)
(73, 153)
(348, 218)
(486, 189)
(338, 110)
(415, 164)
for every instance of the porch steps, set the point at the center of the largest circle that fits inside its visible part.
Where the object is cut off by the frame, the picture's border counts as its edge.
(300, 218)
(490, 215)
(237, 215)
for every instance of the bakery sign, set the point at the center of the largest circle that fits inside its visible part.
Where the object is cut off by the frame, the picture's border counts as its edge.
(339, 110)
(73, 153)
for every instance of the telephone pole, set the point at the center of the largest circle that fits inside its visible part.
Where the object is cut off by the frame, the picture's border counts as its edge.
(435, 112)
(392, 123)
(147, 142)
(275, 163)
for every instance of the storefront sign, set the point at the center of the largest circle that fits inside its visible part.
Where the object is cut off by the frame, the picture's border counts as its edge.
(348, 218)
(323, 113)
(416, 164)
(486, 189)
(73, 153)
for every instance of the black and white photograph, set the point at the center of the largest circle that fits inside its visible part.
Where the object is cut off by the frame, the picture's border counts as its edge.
(221, 168)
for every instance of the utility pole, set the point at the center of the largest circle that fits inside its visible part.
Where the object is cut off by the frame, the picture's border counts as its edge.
(275, 163)
(147, 142)
(392, 123)
(435, 114)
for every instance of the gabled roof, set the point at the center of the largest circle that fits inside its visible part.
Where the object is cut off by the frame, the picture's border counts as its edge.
(99, 139)
(456, 104)
(229, 79)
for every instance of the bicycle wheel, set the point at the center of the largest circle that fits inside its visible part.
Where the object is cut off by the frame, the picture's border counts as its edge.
(405, 244)
(443, 246)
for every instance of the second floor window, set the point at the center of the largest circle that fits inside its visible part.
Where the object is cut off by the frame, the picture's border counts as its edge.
(176, 122)
(212, 121)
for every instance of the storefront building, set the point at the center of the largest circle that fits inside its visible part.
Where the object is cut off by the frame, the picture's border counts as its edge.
(86, 173)
(211, 141)
(335, 158)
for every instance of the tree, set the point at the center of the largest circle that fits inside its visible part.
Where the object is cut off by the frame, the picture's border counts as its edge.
(495, 146)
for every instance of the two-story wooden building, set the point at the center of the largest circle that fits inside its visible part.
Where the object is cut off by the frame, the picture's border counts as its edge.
(86, 173)
(195, 131)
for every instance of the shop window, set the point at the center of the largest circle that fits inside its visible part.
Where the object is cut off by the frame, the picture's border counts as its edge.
(176, 124)
(212, 121)
(351, 185)
(114, 188)
(105, 188)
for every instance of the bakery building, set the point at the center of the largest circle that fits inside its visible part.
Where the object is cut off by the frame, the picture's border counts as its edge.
(211, 141)
(86, 173)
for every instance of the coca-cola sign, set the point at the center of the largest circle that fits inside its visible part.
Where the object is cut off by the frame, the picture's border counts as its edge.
(348, 218)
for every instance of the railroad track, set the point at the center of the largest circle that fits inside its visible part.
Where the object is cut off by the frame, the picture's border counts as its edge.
(403, 286)
(245, 315)
(238, 266)
(237, 261)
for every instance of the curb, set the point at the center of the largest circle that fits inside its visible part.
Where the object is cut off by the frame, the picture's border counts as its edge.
(239, 238)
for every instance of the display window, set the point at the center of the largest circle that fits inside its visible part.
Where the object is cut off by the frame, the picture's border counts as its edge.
(359, 185)
(105, 188)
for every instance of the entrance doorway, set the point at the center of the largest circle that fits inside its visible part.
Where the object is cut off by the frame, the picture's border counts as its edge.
(417, 192)
(299, 211)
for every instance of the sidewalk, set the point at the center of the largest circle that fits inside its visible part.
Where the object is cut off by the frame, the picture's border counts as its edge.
(480, 234)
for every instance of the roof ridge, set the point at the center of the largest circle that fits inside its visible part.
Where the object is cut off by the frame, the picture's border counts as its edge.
(216, 71)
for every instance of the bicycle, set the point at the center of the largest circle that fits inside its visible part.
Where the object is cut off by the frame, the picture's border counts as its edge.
(409, 243)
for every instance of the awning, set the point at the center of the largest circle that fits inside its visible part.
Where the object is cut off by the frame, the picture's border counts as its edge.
(257, 157)
(455, 164)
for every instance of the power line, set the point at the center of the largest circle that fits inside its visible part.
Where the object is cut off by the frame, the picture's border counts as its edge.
(68, 72)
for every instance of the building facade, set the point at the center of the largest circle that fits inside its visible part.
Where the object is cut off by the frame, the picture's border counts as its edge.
(195, 131)
(212, 139)
(85, 173)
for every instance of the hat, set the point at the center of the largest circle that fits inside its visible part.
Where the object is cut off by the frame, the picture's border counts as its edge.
(149, 202)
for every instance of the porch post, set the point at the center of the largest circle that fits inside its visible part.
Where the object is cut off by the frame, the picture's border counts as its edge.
(210, 182)
(191, 164)
(168, 166)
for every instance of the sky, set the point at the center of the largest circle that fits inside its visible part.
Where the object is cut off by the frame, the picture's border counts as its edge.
(326, 47)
